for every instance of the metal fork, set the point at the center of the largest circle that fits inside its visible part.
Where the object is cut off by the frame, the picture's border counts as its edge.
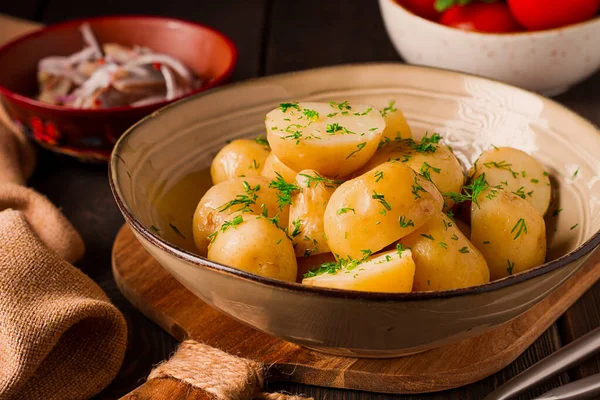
(565, 358)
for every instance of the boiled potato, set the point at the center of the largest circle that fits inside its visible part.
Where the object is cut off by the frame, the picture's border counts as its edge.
(254, 244)
(391, 272)
(517, 172)
(274, 166)
(432, 160)
(378, 208)
(395, 123)
(306, 264)
(240, 158)
(307, 212)
(509, 232)
(331, 138)
(444, 257)
(247, 194)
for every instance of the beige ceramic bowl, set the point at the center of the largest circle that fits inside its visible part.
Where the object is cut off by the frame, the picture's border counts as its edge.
(471, 113)
(548, 62)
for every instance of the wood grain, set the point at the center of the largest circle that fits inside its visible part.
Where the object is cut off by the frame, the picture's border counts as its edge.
(159, 296)
(262, 29)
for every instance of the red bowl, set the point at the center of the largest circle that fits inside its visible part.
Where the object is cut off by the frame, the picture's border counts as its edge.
(90, 134)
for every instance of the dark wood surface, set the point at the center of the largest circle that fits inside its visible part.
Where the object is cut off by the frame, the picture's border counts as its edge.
(159, 296)
(273, 36)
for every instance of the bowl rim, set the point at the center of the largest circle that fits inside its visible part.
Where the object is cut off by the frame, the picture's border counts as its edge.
(521, 34)
(19, 98)
(585, 248)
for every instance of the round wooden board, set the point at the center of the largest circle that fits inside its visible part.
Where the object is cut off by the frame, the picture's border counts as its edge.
(164, 300)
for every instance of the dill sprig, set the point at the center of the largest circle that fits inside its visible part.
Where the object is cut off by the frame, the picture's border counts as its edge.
(344, 105)
(237, 220)
(333, 267)
(381, 199)
(404, 223)
(472, 191)
(425, 171)
(501, 165)
(284, 190)
(359, 147)
(286, 106)
(262, 141)
(389, 109)
(520, 227)
(245, 200)
(344, 210)
(317, 178)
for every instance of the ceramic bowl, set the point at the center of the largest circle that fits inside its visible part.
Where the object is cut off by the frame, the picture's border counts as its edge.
(154, 160)
(548, 62)
(91, 134)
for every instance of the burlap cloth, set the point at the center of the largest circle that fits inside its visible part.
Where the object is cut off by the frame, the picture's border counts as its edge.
(60, 337)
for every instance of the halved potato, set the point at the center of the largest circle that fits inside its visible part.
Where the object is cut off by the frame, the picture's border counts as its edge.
(334, 139)
(509, 232)
(307, 212)
(518, 173)
(240, 158)
(378, 208)
(239, 194)
(391, 272)
(254, 244)
(274, 166)
(444, 257)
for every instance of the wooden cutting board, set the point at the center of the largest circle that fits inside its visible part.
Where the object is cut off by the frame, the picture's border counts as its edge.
(164, 300)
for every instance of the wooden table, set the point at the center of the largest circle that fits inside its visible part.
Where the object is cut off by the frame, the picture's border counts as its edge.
(273, 36)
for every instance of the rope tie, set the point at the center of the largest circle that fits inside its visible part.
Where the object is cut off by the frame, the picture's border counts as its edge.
(223, 375)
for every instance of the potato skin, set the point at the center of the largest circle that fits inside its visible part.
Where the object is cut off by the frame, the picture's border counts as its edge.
(241, 157)
(495, 227)
(356, 217)
(516, 171)
(274, 166)
(209, 214)
(307, 211)
(388, 272)
(257, 246)
(396, 125)
(449, 261)
(441, 166)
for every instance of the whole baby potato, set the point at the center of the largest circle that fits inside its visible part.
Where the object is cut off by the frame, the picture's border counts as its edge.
(509, 232)
(240, 158)
(390, 272)
(306, 225)
(434, 161)
(378, 208)
(254, 244)
(444, 258)
(251, 195)
(517, 172)
(274, 166)
(333, 139)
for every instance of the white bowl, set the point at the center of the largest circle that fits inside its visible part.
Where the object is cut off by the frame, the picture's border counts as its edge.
(547, 62)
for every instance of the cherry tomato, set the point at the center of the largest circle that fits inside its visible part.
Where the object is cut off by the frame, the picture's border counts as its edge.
(423, 8)
(547, 14)
(481, 17)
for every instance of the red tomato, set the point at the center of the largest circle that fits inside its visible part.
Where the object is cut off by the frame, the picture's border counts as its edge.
(481, 17)
(547, 14)
(423, 8)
